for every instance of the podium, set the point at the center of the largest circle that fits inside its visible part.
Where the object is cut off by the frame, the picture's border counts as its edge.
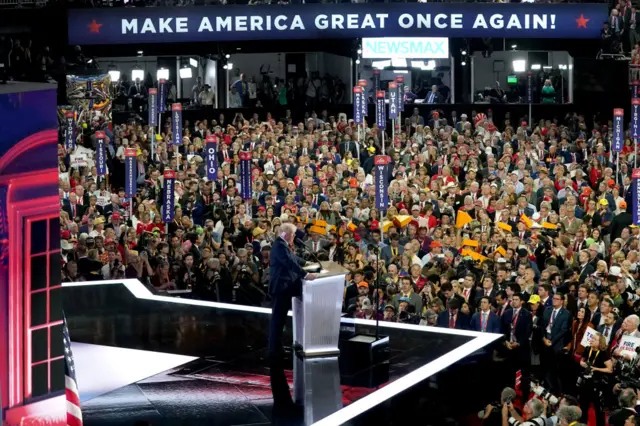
(316, 314)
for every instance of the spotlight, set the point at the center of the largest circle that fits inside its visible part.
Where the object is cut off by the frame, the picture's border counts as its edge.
(519, 65)
(536, 67)
(463, 63)
(464, 52)
(137, 75)
(514, 46)
(114, 74)
(193, 62)
(186, 73)
(163, 74)
(227, 56)
(224, 67)
(140, 52)
(359, 51)
(229, 66)
(357, 61)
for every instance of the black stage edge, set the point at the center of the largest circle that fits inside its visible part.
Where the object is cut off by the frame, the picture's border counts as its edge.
(229, 384)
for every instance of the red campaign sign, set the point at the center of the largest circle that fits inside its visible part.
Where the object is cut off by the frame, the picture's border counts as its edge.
(363, 83)
(211, 139)
(635, 101)
(68, 114)
(153, 91)
(393, 85)
(381, 160)
(100, 134)
(399, 78)
(245, 155)
(635, 173)
(176, 107)
(130, 152)
(380, 94)
(618, 112)
(357, 89)
(169, 174)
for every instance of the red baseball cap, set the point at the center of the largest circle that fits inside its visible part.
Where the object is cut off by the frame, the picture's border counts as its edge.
(115, 216)
(65, 235)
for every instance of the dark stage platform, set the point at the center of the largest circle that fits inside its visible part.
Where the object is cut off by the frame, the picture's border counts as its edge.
(228, 382)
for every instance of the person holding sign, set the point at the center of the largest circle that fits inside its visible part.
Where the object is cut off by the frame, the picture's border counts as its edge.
(597, 365)
(578, 329)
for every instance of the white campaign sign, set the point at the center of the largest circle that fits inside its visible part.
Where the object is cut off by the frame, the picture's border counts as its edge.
(628, 345)
(588, 335)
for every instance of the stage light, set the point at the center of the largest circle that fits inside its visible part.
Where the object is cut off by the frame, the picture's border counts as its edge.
(114, 74)
(547, 67)
(536, 67)
(562, 66)
(137, 75)
(193, 62)
(401, 71)
(227, 56)
(185, 73)
(224, 67)
(357, 61)
(140, 53)
(463, 63)
(514, 46)
(399, 62)
(380, 64)
(162, 74)
(359, 51)
(519, 65)
(464, 52)
(229, 66)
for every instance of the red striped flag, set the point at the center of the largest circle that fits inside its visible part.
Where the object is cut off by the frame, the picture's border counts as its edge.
(74, 413)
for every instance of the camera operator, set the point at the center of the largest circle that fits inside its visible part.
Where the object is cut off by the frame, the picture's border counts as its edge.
(565, 401)
(627, 399)
(533, 411)
(491, 415)
(597, 365)
(245, 279)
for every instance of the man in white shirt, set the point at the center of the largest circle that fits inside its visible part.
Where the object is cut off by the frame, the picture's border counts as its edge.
(234, 98)
(206, 96)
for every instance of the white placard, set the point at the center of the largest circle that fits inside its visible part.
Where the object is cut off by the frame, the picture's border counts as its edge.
(78, 160)
(102, 200)
(588, 335)
(628, 345)
(405, 47)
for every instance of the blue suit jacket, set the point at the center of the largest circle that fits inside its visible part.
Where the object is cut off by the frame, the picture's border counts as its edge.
(560, 329)
(286, 270)
(493, 323)
(462, 321)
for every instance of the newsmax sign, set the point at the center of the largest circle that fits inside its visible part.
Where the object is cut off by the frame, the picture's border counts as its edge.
(311, 21)
(405, 47)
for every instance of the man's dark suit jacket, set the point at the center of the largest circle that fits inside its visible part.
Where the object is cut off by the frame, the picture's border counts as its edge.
(619, 416)
(462, 320)
(66, 206)
(560, 329)
(493, 322)
(286, 269)
(588, 270)
(524, 326)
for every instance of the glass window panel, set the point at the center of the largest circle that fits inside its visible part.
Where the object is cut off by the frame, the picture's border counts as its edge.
(40, 345)
(55, 304)
(38, 272)
(38, 236)
(57, 375)
(40, 380)
(38, 308)
(57, 342)
(54, 269)
(54, 234)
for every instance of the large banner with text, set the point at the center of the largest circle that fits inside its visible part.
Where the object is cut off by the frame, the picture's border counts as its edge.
(235, 23)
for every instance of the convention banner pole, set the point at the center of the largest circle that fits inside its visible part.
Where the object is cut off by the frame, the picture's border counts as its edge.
(530, 97)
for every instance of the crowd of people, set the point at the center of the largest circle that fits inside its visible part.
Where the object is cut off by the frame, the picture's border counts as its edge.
(494, 224)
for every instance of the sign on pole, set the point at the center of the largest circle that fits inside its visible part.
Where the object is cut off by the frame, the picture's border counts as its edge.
(101, 163)
(212, 158)
(381, 118)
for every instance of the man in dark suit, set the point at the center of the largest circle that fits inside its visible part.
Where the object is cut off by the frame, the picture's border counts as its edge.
(627, 399)
(610, 327)
(586, 268)
(556, 326)
(620, 221)
(434, 96)
(72, 207)
(392, 250)
(488, 290)
(285, 282)
(484, 320)
(347, 146)
(453, 317)
(517, 324)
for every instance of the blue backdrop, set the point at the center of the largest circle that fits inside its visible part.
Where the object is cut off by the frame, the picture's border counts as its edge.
(229, 23)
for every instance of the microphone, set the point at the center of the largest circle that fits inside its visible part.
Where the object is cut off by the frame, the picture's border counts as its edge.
(298, 242)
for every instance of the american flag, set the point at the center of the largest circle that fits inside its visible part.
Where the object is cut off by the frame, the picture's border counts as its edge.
(74, 414)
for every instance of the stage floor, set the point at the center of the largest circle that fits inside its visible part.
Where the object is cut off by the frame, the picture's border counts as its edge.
(226, 382)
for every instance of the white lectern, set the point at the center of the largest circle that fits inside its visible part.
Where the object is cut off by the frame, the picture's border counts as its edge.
(316, 314)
